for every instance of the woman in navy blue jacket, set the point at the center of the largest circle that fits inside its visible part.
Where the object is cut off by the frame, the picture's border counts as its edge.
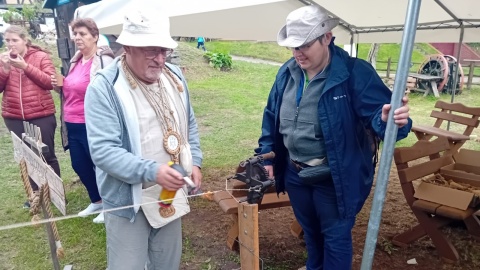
(317, 116)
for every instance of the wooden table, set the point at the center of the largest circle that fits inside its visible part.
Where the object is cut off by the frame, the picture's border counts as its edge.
(229, 203)
(428, 82)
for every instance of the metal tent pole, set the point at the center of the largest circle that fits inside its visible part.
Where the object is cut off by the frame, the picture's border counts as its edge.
(408, 40)
(351, 44)
(457, 65)
(358, 42)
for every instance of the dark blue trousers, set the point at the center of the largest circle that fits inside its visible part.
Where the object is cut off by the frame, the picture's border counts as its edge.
(81, 160)
(327, 236)
(201, 44)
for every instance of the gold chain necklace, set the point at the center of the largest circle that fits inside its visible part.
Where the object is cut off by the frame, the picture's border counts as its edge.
(158, 100)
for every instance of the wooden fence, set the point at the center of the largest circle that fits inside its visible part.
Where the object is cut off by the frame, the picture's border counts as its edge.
(470, 71)
(473, 64)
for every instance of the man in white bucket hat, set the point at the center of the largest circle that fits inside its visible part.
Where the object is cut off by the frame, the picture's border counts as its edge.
(139, 119)
(323, 111)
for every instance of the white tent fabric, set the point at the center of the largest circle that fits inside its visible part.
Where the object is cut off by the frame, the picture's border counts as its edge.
(381, 21)
(370, 21)
(223, 19)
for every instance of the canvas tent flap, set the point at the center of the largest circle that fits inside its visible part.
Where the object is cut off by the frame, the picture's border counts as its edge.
(224, 19)
(382, 21)
(370, 21)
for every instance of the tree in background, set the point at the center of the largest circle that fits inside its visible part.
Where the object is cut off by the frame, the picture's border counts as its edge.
(28, 14)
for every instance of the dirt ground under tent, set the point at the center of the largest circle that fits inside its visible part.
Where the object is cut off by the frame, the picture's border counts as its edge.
(205, 232)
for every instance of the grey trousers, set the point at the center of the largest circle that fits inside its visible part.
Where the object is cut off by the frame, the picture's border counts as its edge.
(138, 246)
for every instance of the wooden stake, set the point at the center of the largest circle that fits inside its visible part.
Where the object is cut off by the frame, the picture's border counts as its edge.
(296, 229)
(51, 237)
(248, 236)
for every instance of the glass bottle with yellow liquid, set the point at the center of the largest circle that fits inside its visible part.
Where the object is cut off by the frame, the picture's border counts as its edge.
(167, 196)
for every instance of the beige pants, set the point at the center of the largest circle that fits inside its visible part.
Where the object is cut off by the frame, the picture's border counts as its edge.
(132, 246)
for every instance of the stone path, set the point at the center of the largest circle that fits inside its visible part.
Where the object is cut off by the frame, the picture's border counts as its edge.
(255, 60)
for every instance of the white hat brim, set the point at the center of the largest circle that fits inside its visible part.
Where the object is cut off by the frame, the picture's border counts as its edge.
(291, 41)
(146, 40)
(317, 31)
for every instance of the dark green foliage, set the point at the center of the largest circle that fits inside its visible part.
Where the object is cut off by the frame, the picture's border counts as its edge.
(218, 60)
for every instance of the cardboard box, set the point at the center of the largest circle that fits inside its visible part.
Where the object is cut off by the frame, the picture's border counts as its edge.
(446, 196)
(466, 169)
(468, 160)
(463, 174)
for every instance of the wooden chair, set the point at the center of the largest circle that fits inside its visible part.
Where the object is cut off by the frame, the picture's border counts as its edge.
(453, 112)
(431, 216)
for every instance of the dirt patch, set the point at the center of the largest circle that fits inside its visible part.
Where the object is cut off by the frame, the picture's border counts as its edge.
(206, 227)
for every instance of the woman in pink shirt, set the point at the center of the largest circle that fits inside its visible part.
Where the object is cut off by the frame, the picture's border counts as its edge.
(83, 67)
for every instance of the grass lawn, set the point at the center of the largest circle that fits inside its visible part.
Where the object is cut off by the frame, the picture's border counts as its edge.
(228, 107)
(271, 51)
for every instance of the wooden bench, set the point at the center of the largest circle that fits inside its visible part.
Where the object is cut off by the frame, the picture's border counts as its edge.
(431, 216)
(229, 203)
(453, 112)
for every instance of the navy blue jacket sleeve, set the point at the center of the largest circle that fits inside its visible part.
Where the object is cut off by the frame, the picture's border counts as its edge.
(370, 94)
